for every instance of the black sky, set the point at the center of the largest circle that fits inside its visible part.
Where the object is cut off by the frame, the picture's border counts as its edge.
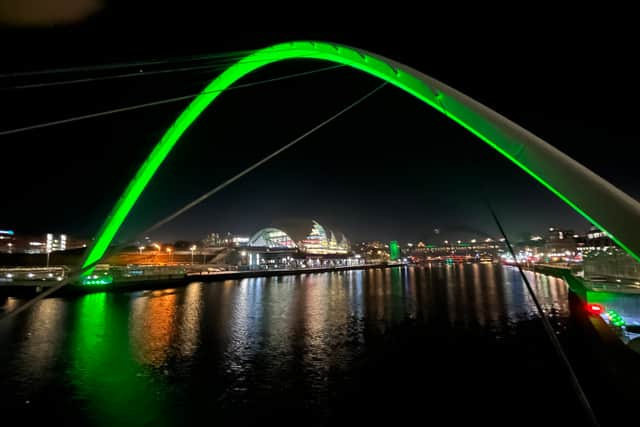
(391, 168)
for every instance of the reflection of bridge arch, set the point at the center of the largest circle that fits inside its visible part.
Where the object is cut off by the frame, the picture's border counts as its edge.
(595, 199)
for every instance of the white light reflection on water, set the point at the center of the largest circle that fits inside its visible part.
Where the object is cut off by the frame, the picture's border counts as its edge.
(45, 330)
(188, 322)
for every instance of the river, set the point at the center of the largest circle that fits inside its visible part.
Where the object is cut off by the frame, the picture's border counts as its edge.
(362, 347)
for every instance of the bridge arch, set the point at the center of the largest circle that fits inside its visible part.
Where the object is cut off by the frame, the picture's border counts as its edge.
(602, 204)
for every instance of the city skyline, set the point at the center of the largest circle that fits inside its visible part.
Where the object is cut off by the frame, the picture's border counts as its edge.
(438, 237)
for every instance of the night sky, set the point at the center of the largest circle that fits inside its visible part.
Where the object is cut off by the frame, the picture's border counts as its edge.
(390, 168)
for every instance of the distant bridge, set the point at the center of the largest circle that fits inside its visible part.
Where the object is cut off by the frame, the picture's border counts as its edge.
(601, 203)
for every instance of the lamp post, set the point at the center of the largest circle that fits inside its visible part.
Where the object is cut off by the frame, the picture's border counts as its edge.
(140, 248)
(193, 249)
(170, 252)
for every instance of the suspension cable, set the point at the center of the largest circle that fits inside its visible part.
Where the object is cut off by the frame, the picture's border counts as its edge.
(548, 328)
(140, 73)
(161, 102)
(101, 67)
(213, 66)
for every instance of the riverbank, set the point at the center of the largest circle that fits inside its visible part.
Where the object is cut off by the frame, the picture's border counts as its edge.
(162, 281)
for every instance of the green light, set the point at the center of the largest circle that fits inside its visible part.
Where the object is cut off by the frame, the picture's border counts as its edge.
(105, 375)
(97, 280)
(615, 318)
(471, 120)
(394, 250)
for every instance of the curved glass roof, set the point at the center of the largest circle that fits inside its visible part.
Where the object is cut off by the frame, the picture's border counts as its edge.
(316, 239)
(271, 237)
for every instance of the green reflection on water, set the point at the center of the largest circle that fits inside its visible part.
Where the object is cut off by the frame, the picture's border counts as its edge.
(112, 387)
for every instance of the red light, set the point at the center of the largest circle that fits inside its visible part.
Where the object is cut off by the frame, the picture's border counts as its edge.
(595, 308)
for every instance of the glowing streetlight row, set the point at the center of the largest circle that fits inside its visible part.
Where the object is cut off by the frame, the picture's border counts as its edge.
(169, 250)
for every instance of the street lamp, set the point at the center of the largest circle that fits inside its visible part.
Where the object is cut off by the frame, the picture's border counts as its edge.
(170, 254)
(140, 248)
(193, 248)
(157, 246)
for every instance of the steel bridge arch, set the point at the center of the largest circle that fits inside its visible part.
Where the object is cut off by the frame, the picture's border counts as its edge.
(601, 203)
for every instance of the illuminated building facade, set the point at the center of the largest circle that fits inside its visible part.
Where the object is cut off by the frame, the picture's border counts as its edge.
(373, 251)
(217, 240)
(560, 242)
(594, 240)
(7, 241)
(56, 243)
(14, 243)
(312, 239)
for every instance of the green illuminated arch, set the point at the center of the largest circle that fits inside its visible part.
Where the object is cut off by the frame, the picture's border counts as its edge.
(591, 196)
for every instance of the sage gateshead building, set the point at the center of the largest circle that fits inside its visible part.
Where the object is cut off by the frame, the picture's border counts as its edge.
(297, 242)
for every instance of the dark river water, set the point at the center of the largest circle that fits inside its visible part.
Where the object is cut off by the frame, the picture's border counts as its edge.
(454, 344)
